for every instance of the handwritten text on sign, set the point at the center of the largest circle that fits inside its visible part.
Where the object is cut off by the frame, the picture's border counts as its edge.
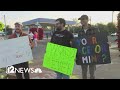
(92, 49)
(59, 58)
(15, 51)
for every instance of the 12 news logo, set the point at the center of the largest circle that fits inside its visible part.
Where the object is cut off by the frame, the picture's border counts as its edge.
(12, 69)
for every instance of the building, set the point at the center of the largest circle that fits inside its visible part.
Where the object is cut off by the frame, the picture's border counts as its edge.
(45, 22)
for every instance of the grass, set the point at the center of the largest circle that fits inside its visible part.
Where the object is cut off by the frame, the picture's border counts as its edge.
(75, 77)
(31, 62)
(3, 76)
(2, 70)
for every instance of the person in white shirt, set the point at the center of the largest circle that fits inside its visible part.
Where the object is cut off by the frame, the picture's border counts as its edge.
(31, 36)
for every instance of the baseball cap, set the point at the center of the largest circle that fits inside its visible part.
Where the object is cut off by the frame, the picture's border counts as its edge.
(83, 17)
(19, 23)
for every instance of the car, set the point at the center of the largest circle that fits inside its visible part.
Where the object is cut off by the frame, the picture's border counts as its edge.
(75, 35)
(113, 34)
(2, 33)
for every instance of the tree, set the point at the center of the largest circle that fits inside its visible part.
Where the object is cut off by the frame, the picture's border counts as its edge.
(102, 27)
(7, 26)
(74, 29)
(77, 21)
(118, 19)
(8, 30)
(111, 28)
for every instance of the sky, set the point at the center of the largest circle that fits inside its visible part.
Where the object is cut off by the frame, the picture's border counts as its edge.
(21, 16)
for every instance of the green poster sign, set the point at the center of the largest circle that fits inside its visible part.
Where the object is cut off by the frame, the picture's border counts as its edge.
(60, 58)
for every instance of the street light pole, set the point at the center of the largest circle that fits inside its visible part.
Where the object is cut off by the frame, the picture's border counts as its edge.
(112, 15)
(5, 26)
(90, 20)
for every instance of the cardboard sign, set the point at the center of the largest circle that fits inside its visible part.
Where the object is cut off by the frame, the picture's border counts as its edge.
(15, 51)
(92, 49)
(60, 58)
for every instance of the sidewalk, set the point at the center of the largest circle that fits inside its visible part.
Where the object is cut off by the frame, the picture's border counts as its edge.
(106, 71)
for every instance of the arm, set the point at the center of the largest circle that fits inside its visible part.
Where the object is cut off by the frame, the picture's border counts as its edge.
(71, 39)
(52, 38)
(31, 43)
(71, 42)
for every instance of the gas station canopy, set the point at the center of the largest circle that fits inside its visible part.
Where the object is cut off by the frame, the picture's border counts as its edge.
(46, 22)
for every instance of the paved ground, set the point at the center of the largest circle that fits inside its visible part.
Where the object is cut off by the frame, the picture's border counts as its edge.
(107, 71)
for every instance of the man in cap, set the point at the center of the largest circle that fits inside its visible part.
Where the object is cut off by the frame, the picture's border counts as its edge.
(86, 31)
(19, 33)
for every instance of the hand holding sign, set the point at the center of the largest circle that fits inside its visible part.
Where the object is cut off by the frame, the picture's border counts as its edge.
(92, 49)
(60, 58)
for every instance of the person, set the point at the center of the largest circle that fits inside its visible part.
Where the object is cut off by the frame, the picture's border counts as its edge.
(35, 38)
(87, 30)
(61, 37)
(31, 35)
(118, 34)
(47, 36)
(19, 33)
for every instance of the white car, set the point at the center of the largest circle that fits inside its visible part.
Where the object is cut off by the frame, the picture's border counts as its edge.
(2, 33)
(113, 34)
(75, 35)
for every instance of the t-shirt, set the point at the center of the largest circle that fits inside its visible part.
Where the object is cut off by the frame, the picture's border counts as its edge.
(62, 38)
(31, 35)
(85, 30)
(35, 36)
(17, 34)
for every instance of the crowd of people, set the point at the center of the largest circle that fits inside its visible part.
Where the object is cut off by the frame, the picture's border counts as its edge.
(61, 37)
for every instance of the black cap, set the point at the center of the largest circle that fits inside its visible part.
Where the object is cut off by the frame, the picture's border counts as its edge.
(18, 23)
(83, 17)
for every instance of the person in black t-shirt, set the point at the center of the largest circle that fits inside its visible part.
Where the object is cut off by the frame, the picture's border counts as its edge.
(62, 37)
